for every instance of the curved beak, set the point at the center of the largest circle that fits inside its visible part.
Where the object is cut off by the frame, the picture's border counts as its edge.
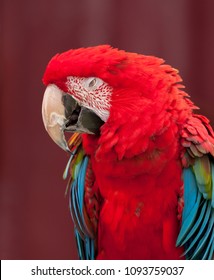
(53, 115)
(61, 113)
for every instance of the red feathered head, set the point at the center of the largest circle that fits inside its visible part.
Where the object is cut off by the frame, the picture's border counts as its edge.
(122, 89)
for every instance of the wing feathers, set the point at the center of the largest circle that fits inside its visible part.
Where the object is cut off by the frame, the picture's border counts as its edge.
(85, 227)
(197, 138)
(197, 230)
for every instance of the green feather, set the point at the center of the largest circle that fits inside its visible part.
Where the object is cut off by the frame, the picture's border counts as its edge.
(202, 171)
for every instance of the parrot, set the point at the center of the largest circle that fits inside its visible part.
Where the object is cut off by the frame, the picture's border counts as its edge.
(140, 157)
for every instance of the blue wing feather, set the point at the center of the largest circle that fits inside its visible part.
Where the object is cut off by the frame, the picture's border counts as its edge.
(193, 230)
(190, 194)
(209, 251)
(85, 244)
(197, 229)
(204, 241)
(200, 234)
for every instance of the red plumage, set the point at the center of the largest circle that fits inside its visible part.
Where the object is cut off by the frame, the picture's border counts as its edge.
(137, 159)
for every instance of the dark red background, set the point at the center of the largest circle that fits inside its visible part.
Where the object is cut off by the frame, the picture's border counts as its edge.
(34, 217)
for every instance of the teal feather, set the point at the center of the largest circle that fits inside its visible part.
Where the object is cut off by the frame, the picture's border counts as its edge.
(197, 229)
(211, 253)
(188, 223)
(80, 245)
(204, 240)
(197, 237)
(190, 192)
(81, 183)
(192, 200)
(85, 244)
(209, 249)
(77, 195)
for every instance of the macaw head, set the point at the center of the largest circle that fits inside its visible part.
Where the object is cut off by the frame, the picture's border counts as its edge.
(99, 90)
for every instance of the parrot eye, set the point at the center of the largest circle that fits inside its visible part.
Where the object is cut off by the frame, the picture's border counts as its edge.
(92, 83)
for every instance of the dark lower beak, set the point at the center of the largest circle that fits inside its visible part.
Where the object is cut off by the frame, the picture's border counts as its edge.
(86, 122)
(61, 113)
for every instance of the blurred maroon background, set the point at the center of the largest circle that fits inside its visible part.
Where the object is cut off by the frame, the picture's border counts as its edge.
(35, 221)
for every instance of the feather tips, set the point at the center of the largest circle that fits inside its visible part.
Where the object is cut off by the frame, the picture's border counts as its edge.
(197, 230)
(79, 183)
(197, 139)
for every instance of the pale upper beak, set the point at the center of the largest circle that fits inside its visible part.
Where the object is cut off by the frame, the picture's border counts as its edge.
(53, 114)
(61, 112)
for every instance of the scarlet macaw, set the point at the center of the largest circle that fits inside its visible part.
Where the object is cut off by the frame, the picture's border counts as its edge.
(141, 161)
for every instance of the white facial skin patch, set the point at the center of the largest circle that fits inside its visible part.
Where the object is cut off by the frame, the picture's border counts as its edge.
(92, 93)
